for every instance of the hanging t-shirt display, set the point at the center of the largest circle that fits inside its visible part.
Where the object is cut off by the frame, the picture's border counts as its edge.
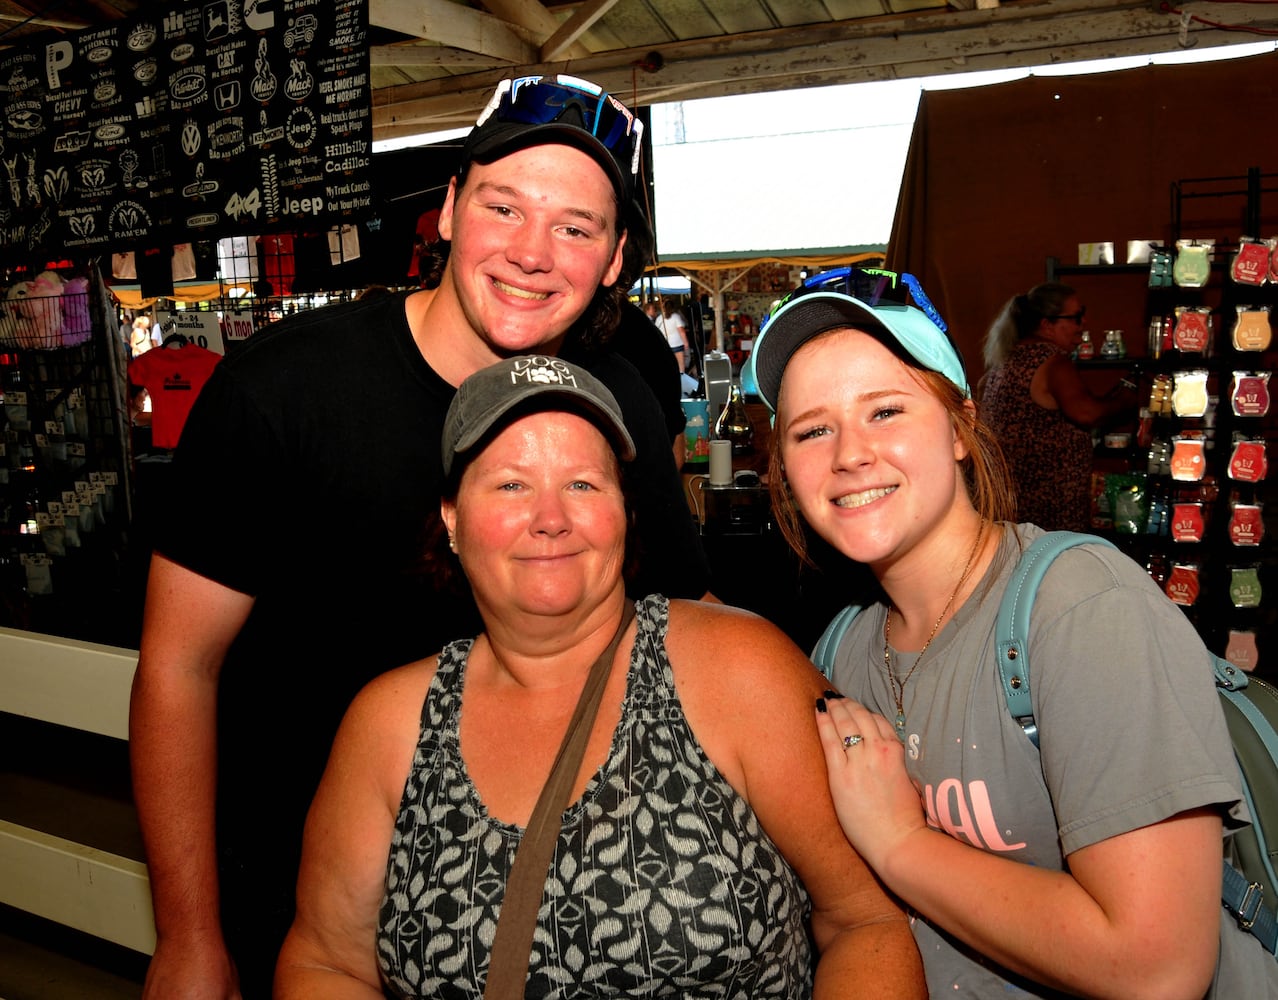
(173, 376)
(195, 120)
(155, 271)
(183, 262)
(278, 265)
(124, 266)
(343, 244)
(237, 259)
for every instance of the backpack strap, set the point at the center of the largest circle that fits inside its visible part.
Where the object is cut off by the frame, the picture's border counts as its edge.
(1012, 626)
(1243, 898)
(823, 652)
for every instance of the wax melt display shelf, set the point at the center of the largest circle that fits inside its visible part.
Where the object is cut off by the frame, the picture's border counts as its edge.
(1184, 483)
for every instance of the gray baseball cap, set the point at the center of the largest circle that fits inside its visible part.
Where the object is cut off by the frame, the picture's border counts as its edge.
(490, 394)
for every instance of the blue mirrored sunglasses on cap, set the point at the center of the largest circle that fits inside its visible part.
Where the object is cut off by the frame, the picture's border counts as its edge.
(853, 296)
(542, 100)
(873, 285)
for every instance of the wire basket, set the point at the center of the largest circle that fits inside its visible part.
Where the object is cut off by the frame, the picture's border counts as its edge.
(36, 322)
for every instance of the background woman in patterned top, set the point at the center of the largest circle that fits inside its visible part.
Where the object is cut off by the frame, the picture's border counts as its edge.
(700, 855)
(1041, 410)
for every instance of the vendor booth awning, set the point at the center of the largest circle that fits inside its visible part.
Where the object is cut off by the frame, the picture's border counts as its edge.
(716, 274)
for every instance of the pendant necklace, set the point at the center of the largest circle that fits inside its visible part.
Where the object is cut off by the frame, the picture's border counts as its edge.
(898, 683)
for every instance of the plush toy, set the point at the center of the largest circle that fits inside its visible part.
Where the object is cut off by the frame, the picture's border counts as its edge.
(25, 334)
(77, 327)
(39, 311)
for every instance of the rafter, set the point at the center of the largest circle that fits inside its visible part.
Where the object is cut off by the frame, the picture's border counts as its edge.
(427, 55)
(558, 44)
(539, 22)
(454, 26)
(853, 51)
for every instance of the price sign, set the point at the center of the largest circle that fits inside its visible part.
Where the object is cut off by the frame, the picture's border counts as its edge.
(199, 328)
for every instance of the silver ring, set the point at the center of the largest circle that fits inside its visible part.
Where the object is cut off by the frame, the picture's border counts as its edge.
(853, 740)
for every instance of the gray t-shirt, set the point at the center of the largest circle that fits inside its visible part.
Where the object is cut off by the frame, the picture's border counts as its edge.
(1130, 726)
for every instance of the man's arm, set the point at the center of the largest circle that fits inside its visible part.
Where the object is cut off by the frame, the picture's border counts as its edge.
(189, 624)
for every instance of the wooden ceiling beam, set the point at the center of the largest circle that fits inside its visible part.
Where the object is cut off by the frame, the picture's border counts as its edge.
(409, 54)
(583, 18)
(933, 43)
(454, 26)
(539, 22)
(31, 17)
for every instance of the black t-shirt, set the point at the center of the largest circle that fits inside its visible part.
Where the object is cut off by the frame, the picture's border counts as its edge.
(306, 474)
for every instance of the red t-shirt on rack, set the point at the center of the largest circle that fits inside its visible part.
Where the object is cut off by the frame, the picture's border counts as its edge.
(173, 376)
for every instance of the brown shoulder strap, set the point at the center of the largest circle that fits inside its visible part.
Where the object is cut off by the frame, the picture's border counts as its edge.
(512, 941)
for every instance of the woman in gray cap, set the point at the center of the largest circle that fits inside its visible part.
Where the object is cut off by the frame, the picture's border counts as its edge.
(692, 850)
(1034, 865)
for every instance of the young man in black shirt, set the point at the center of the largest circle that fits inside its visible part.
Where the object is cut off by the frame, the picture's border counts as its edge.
(286, 573)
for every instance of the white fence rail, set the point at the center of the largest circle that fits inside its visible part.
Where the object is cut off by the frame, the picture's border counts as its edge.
(83, 686)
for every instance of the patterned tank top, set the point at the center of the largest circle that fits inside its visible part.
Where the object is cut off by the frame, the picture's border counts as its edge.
(663, 884)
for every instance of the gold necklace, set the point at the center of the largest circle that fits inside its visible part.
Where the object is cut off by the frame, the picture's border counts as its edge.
(898, 683)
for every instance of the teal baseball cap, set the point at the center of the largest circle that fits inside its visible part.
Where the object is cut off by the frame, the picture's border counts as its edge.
(829, 301)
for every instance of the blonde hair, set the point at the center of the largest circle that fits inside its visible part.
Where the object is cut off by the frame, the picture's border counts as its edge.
(1020, 316)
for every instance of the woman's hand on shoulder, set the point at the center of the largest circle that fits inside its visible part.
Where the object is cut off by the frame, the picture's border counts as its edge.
(878, 805)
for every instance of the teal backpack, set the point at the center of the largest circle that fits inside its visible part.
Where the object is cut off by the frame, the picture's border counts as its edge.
(1251, 712)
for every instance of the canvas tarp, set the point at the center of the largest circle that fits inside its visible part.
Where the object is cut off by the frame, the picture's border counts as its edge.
(999, 178)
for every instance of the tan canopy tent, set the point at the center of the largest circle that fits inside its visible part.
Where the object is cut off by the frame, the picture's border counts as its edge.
(190, 292)
(716, 274)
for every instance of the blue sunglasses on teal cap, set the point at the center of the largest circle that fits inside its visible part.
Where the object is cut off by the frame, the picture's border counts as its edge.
(855, 297)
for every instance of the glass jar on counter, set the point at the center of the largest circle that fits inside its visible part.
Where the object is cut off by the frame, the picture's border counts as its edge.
(1112, 346)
